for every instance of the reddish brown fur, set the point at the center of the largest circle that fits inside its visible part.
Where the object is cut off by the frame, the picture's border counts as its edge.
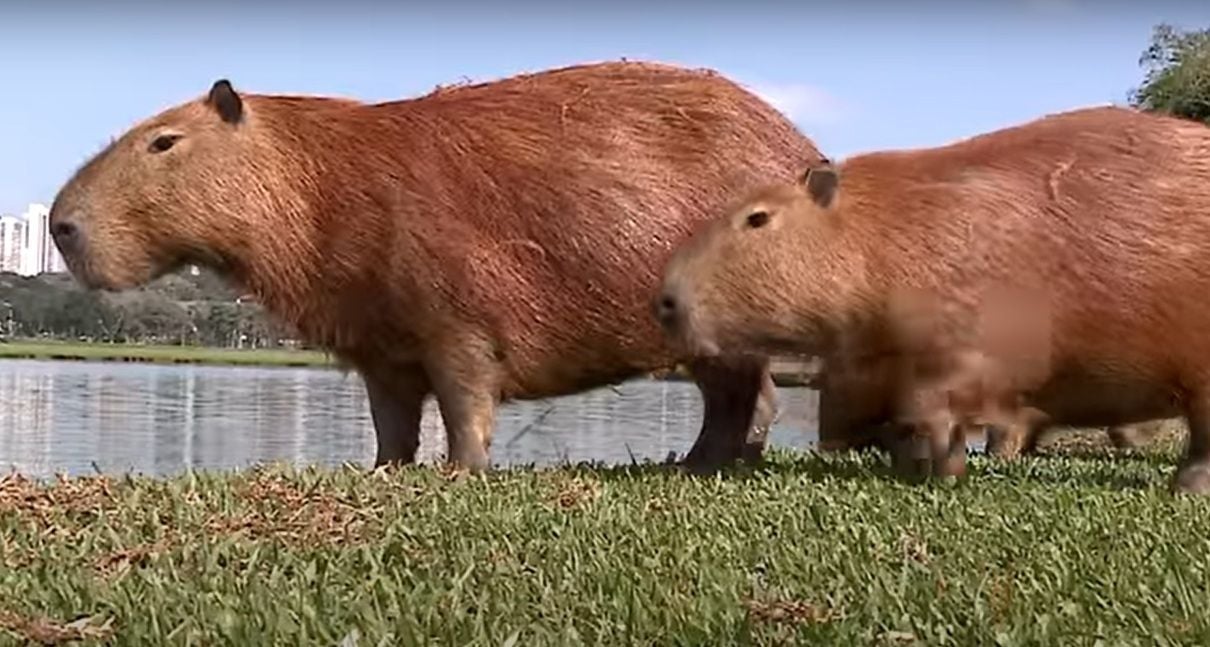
(1103, 213)
(483, 242)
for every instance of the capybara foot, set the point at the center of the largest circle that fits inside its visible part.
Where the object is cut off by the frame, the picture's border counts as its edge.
(953, 465)
(1132, 436)
(471, 460)
(1193, 478)
(706, 463)
(754, 446)
(910, 460)
(1003, 444)
(715, 451)
(710, 457)
(390, 465)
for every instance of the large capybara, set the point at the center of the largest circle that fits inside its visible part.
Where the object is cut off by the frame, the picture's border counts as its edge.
(482, 243)
(1101, 214)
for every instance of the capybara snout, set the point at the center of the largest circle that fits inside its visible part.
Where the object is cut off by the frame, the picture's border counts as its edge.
(675, 312)
(164, 193)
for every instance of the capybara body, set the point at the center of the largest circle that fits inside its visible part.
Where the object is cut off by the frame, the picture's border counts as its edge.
(1101, 216)
(482, 243)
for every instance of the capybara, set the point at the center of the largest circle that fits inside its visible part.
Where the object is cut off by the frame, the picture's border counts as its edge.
(1101, 214)
(481, 243)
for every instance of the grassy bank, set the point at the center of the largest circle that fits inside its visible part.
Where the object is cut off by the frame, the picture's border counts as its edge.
(98, 352)
(1065, 549)
(788, 374)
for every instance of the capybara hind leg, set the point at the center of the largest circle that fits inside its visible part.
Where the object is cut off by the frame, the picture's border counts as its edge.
(467, 393)
(396, 404)
(469, 416)
(1033, 429)
(1011, 440)
(1123, 437)
(1193, 475)
(1003, 443)
(730, 392)
(1133, 436)
(840, 426)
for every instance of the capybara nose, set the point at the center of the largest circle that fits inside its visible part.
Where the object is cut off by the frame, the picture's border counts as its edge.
(667, 311)
(66, 235)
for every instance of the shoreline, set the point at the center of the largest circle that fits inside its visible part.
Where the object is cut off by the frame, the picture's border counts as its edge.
(786, 373)
(161, 354)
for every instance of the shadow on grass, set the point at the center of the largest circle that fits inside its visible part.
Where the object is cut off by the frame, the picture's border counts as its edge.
(1098, 468)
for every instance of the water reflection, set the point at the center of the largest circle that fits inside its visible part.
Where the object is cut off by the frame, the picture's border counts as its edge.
(68, 417)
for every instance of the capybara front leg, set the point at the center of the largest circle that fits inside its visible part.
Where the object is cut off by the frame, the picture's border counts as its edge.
(911, 451)
(396, 405)
(762, 419)
(935, 447)
(1193, 475)
(467, 393)
(732, 421)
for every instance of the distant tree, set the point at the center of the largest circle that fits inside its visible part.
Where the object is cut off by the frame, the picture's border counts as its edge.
(1177, 77)
(181, 307)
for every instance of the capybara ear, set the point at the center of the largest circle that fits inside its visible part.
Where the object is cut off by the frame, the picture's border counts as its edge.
(822, 182)
(224, 99)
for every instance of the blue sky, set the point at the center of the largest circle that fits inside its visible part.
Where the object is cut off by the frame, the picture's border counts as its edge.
(855, 76)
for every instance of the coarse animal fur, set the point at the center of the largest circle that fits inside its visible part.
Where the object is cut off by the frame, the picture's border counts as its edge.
(481, 243)
(1100, 215)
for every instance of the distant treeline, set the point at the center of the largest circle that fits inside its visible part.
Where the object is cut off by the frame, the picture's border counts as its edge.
(180, 308)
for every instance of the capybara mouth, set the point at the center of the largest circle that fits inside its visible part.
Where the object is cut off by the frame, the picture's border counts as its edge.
(699, 345)
(90, 279)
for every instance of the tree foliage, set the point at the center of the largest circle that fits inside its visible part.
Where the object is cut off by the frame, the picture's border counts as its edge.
(1177, 77)
(176, 309)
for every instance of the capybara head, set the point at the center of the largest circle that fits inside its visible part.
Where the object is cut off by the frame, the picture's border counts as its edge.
(163, 193)
(770, 276)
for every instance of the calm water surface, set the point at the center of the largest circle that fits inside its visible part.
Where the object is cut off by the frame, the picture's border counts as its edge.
(77, 418)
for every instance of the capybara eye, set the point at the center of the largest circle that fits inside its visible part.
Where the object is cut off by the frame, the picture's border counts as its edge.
(163, 143)
(758, 219)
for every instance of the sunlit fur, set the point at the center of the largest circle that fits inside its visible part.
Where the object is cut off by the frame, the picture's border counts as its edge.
(500, 239)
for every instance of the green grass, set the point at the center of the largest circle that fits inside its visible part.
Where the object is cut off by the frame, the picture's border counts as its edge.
(53, 350)
(1064, 549)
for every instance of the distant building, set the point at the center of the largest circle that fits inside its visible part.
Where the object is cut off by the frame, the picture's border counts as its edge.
(26, 246)
(12, 243)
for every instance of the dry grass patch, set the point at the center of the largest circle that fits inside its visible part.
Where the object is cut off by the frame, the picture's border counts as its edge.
(790, 611)
(283, 509)
(45, 631)
(577, 492)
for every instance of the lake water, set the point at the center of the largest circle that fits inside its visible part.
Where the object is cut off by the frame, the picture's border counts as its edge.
(78, 418)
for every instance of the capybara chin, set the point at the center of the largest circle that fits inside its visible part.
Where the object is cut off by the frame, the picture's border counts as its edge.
(480, 243)
(1101, 216)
